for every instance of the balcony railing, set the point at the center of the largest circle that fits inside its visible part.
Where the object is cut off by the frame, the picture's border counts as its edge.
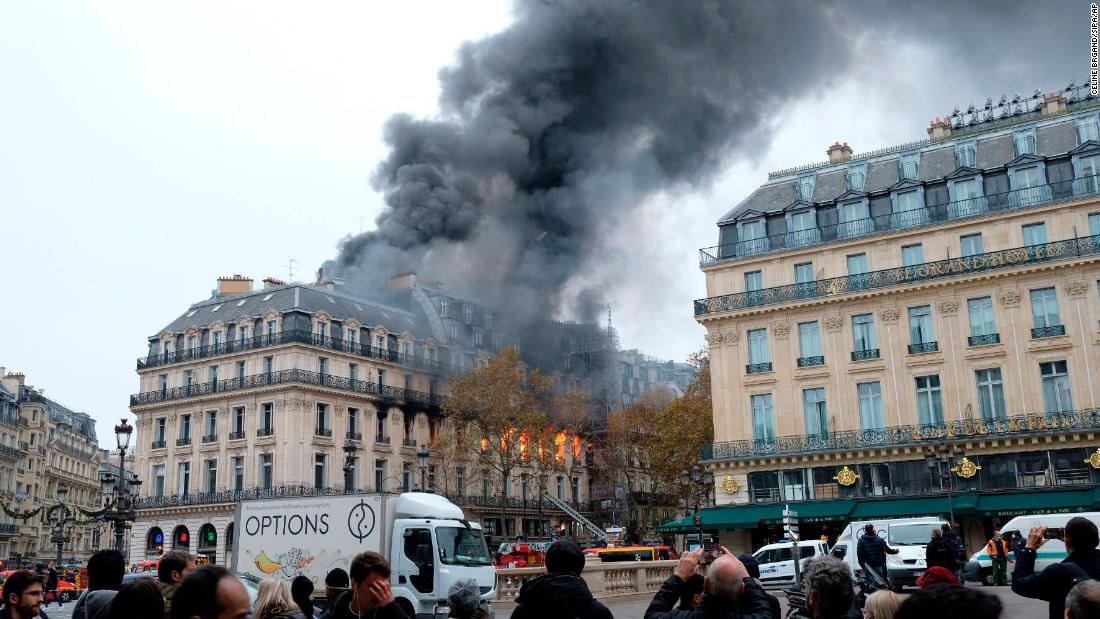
(806, 362)
(408, 442)
(7, 528)
(896, 436)
(888, 222)
(10, 419)
(236, 436)
(322, 432)
(923, 347)
(209, 438)
(951, 267)
(354, 436)
(865, 355)
(181, 442)
(24, 446)
(158, 445)
(10, 452)
(293, 337)
(262, 432)
(286, 377)
(1051, 331)
(381, 440)
(984, 340)
(757, 368)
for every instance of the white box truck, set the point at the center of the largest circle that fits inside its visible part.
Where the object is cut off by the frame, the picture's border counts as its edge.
(424, 536)
(910, 536)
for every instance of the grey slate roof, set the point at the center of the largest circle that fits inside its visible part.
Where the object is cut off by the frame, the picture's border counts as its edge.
(937, 160)
(309, 299)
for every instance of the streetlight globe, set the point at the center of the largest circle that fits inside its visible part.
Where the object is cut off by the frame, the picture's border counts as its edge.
(122, 435)
(62, 493)
(422, 456)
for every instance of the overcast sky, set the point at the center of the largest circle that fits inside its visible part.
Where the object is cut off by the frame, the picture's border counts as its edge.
(146, 150)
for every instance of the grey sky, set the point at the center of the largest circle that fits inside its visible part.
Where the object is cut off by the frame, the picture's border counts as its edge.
(145, 150)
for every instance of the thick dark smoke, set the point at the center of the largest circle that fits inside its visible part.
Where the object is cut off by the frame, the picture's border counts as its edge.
(554, 131)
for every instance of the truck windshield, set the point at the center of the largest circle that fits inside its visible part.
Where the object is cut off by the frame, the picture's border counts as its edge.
(462, 546)
(911, 534)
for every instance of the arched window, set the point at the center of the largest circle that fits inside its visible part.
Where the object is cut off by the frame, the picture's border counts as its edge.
(208, 537)
(181, 538)
(154, 541)
(229, 541)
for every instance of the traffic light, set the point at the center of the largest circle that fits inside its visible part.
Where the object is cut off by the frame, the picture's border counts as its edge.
(697, 520)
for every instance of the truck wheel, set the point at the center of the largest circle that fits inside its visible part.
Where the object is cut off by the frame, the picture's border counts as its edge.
(987, 577)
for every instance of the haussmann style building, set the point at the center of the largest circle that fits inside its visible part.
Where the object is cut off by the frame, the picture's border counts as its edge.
(913, 331)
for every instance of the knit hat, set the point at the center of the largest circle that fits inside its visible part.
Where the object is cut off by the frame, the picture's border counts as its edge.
(464, 597)
(752, 566)
(937, 575)
(564, 556)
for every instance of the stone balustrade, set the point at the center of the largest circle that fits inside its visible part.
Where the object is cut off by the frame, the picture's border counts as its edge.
(622, 581)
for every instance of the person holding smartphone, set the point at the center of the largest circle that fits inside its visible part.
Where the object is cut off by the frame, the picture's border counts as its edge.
(1053, 583)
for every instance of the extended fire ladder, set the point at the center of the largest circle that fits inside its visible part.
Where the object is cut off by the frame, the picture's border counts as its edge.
(597, 532)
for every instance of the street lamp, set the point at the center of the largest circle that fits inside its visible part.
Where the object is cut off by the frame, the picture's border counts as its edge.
(349, 466)
(524, 476)
(422, 461)
(120, 490)
(543, 477)
(699, 482)
(940, 461)
(62, 523)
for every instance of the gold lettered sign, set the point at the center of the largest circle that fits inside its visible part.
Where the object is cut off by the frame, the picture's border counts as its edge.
(966, 469)
(846, 476)
(1094, 459)
(731, 485)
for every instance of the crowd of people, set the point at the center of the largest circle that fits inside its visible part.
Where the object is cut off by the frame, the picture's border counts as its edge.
(726, 587)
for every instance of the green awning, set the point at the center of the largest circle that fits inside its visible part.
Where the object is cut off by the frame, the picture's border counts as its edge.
(725, 518)
(922, 506)
(1038, 502)
(819, 511)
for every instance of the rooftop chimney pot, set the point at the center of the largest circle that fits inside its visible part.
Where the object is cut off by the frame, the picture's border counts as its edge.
(271, 282)
(939, 128)
(237, 284)
(1053, 103)
(839, 152)
(403, 281)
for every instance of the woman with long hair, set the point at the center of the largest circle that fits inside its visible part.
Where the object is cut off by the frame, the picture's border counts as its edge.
(301, 590)
(273, 601)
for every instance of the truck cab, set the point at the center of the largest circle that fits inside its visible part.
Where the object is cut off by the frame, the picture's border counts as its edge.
(910, 536)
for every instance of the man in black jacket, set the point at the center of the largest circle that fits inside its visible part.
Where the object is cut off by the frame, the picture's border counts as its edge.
(1053, 583)
(561, 592)
(940, 552)
(728, 591)
(871, 551)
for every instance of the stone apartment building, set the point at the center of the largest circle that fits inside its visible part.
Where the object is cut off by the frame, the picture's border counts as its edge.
(44, 445)
(255, 393)
(913, 331)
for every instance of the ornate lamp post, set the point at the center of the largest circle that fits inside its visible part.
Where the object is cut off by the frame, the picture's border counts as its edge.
(121, 490)
(61, 522)
(422, 455)
(941, 463)
(699, 482)
(349, 466)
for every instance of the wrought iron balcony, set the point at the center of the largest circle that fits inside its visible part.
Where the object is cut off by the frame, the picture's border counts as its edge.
(408, 442)
(233, 496)
(923, 347)
(158, 445)
(904, 220)
(897, 436)
(865, 355)
(287, 377)
(806, 362)
(24, 446)
(757, 368)
(323, 432)
(181, 442)
(9, 418)
(262, 432)
(984, 340)
(381, 440)
(7, 528)
(209, 438)
(886, 278)
(236, 436)
(293, 337)
(1051, 331)
(354, 436)
(10, 452)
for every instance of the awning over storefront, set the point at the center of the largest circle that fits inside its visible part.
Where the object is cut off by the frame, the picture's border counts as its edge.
(819, 511)
(726, 517)
(918, 506)
(1040, 502)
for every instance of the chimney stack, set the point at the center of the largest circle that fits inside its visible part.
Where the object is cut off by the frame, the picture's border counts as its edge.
(237, 284)
(271, 282)
(939, 128)
(403, 281)
(839, 152)
(1054, 103)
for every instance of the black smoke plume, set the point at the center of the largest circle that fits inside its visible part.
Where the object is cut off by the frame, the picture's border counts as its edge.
(554, 131)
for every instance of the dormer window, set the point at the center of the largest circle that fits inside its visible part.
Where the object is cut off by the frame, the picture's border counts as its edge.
(966, 155)
(443, 307)
(468, 314)
(1088, 174)
(806, 188)
(908, 167)
(1024, 142)
(802, 228)
(753, 236)
(1087, 129)
(856, 177)
(966, 197)
(488, 320)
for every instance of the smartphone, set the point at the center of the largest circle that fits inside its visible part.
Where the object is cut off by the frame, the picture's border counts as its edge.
(693, 547)
(709, 546)
(1054, 533)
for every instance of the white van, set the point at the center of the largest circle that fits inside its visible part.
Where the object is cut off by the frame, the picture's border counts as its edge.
(909, 535)
(980, 566)
(776, 564)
